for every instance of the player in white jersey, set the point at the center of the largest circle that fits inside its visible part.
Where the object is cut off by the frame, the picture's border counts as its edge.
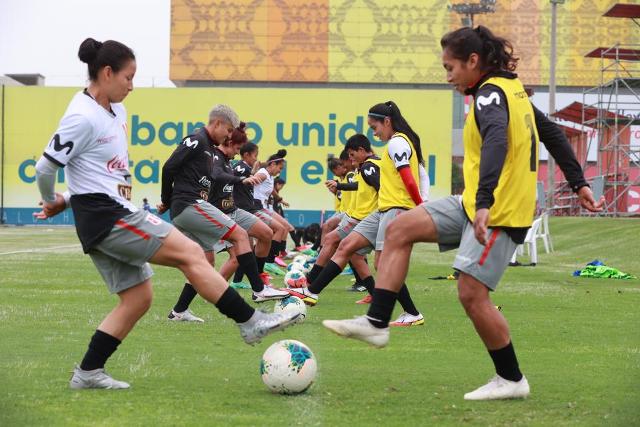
(261, 192)
(91, 144)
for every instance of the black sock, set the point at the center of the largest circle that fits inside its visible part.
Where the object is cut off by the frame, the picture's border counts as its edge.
(314, 273)
(406, 302)
(273, 251)
(248, 264)
(234, 307)
(101, 347)
(355, 274)
(316, 245)
(260, 262)
(369, 283)
(238, 275)
(283, 246)
(328, 273)
(506, 363)
(186, 296)
(381, 307)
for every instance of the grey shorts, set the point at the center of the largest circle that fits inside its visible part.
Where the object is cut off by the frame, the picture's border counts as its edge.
(121, 258)
(264, 215)
(346, 226)
(243, 218)
(485, 263)
(337, 215)
(204, 224)
(373, 227)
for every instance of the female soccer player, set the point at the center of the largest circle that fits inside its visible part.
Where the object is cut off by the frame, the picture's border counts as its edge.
(91, 142)
(495, 211)
(399, 192)
(261, 192)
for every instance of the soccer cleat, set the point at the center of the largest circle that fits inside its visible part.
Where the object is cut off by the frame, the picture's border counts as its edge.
(266, 279)
(262, 324)
(499, 388)
(291, 254)
(360, 329)
(280, 262)
(96, 378)
(240, 285)
(346, 271)
(268, 294)
(185, 316)
(366, 300)
(305, 295)
(407, 319)
(273, 269)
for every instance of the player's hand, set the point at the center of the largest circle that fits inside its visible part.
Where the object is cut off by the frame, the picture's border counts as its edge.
(285, 204)
(162, 208)
(50, 209)
(480, 225)
(332, 185)
(585, 196)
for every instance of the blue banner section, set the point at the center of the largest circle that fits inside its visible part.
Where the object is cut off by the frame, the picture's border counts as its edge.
(24, 216)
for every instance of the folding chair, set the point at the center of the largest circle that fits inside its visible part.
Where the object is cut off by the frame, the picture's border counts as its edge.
(544, 233)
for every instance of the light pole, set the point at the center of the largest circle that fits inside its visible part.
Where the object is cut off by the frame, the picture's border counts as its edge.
(551, 164)
(468, 10)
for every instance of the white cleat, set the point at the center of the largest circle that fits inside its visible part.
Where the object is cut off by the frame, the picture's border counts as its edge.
(268, 294)
(359, 328)
(96, 378)
(499, 388)
(262, 324)
(407, 319)
(305, 295)
(185, 316)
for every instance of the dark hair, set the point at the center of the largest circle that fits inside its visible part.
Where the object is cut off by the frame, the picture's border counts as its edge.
(248, 147)
(238, 136)
(398, 123)
(358, 141)
(333, 163)
(278, 157)
(98, 55)
(496, 53)
(344, 155)
(279, 180)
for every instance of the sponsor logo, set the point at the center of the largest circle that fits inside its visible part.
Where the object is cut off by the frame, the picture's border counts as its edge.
(205, 182)
(190, 143)
(487, 100)
(153, 219)
(401, 157)
(106, 139)
(117, 163)
(59, 147)
(124, 191)
(228, 188)
(370, 171)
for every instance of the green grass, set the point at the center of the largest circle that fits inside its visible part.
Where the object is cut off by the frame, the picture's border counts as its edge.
(578, 342)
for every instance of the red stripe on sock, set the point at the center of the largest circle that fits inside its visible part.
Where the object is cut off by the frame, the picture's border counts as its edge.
(208, 217)
(487, 248)
(121, 223)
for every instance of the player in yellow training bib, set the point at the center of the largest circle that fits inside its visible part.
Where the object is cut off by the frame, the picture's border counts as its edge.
(501, 136)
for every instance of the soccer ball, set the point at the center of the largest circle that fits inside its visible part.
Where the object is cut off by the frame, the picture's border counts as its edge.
(291, 304)
(288, 367)
(302, 259)
(296, 266)
(295, 279)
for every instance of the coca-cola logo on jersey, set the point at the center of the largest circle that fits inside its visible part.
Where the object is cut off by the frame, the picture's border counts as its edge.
(117, 163)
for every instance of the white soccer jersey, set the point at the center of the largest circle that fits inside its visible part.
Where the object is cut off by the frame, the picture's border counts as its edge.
(263, 190)
(91, 144)
(399, 151)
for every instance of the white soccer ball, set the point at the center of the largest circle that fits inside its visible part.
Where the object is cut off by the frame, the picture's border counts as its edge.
(291, 304)
(301, 259)
(295, 279)
(296, 266)
(288, 367)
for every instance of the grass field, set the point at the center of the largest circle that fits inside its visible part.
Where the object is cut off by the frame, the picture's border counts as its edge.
(578, 342)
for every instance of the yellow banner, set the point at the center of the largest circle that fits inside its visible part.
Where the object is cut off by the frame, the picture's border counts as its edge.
(308, 123)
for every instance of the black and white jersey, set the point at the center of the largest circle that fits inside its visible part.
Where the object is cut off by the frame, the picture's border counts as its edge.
(91, 144)
(186, 175)
(224, 181)
(243, 194)
(263, 191)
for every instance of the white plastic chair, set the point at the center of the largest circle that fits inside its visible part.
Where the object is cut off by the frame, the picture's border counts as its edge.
(544, 233)
(530, 243)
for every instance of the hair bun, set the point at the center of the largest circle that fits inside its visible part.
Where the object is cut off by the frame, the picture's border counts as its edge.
(242, 126)
(281, 153)
(88, 51)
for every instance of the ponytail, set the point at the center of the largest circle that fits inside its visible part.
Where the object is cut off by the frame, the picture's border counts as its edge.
(496, 53)
(398, 123)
